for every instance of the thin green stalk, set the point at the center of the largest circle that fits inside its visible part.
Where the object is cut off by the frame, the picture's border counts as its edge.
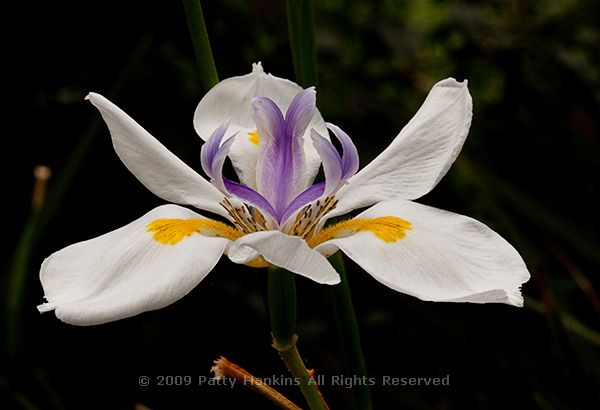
(301, 27)
(282, 309)
(15, 396)
(17, 280)
(38, 221)
(282, 305)
(308, 386)
(204, 56)
(349, 334)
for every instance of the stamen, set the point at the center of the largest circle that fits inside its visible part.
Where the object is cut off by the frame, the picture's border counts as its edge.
(259, 219)
(237, 213)
(308, 221)
(386, 228)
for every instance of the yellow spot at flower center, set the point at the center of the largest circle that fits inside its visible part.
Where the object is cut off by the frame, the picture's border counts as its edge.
(172, 231)
(386, 228)
(254, 137)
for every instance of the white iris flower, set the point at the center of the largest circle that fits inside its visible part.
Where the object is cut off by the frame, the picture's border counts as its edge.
(274, 215)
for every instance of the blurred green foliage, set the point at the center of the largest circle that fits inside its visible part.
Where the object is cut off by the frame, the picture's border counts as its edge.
(529, 170)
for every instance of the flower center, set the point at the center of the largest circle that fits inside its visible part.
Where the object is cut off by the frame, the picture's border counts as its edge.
(307, 220)
(245, 220)
(280, 187)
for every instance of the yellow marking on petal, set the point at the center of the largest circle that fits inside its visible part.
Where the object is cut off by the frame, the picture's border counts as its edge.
(172, 231)
(386, 228)
(254, 137)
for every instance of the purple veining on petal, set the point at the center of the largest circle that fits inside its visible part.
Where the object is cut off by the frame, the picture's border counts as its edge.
(271, 130)
(350, 160)
(211, 147)
(332, 163)
(309, 195)
(250, 196)
(281, 163)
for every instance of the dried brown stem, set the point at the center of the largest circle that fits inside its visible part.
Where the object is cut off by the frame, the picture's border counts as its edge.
(225, 368)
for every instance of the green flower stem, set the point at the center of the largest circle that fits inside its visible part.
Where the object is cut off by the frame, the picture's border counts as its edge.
(349, 334)
(204, 57)
(293, 361)
(301, 26)
(282, 309)
(281, 291)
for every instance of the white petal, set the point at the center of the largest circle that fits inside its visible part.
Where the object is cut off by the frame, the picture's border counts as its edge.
(126, 272)
(154, 165)
(231, 100)
(419, 156)
(289, 252)
(444, 257)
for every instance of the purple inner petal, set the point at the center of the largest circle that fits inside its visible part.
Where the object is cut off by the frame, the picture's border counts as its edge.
(305, 198)
(350, 160)
(332, 163)
(300, 113)
(271, 130)
(281, 162)
(210, 148)
(250, 196)
(217, 164)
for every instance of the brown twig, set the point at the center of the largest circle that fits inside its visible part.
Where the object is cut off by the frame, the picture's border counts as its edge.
(225, 368)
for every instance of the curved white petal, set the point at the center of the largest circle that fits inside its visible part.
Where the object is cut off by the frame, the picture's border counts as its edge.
(154, 165)
(289, 252)
(126, 272)
(231, 100)
(419, 156)
(443, 257)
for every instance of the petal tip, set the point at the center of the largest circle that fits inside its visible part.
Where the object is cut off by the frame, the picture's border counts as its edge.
(311, 90)
(257, 67)
(333, 280)
(91, 96)
(515, 298)
(97, 100)
(451, 82)
(46, 307)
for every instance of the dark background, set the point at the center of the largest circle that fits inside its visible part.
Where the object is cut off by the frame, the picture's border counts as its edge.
(528, 170)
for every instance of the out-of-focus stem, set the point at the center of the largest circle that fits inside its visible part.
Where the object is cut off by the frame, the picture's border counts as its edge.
(201, 43)
(349, 335)
(41, 217)
(301, 27)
